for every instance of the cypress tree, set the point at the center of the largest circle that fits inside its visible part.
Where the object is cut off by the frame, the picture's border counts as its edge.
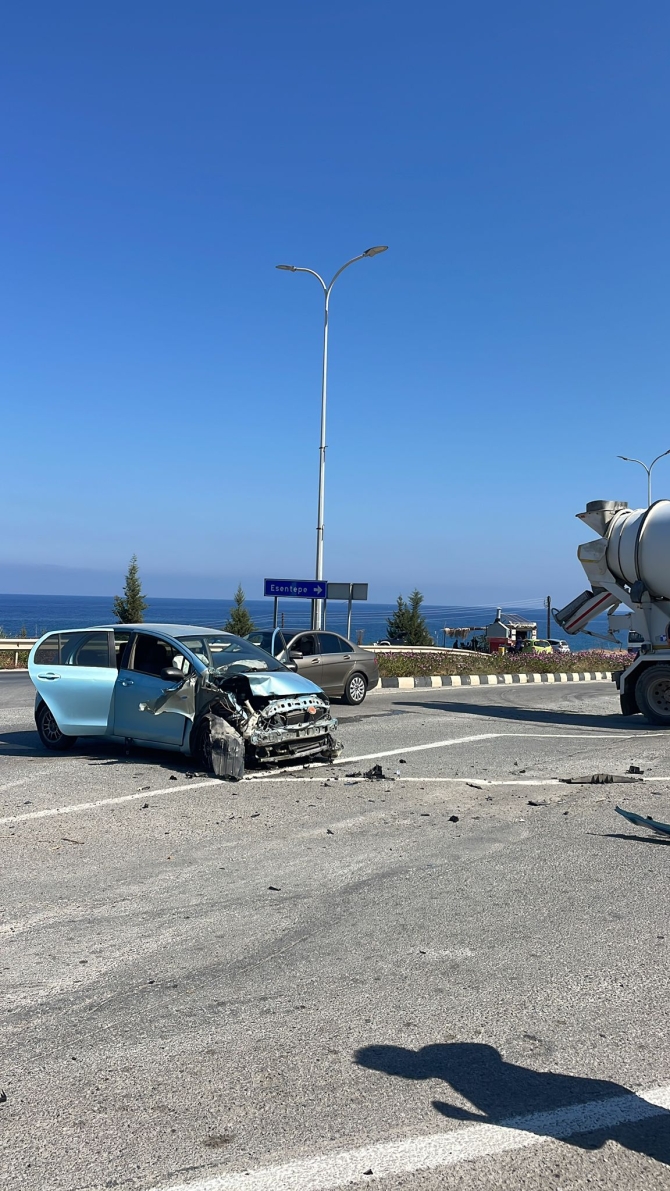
(239, 620)
(131, 606)
(398, 624)
(418, 629)
(408, 622)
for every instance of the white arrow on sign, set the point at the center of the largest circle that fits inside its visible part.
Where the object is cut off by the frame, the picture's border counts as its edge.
(318, 590)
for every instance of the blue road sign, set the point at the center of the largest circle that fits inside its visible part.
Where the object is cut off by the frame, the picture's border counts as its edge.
(301, 589)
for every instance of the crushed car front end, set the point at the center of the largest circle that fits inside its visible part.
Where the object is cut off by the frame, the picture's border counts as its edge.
(246, 707)
(278, 715)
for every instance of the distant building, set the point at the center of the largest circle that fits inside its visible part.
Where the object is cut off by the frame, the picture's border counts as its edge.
(507, 631)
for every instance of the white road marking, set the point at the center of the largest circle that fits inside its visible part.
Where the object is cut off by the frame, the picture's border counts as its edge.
(415, 748)
(439, 1150)
(440, 744)
(92, 806)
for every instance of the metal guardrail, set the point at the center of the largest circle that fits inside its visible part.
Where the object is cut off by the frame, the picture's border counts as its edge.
(17, 645)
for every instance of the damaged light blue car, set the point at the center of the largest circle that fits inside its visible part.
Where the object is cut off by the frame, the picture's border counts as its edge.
(192, 690)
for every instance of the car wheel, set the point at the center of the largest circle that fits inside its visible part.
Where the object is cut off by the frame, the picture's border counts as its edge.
(356, 689)
(653, 695)
(49, 732)
(201, 748)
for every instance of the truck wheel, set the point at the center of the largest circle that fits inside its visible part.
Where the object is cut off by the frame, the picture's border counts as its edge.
(628, 703)
(653, 695)
(49, 732)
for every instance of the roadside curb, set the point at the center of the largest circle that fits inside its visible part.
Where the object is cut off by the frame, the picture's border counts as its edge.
(440, 680)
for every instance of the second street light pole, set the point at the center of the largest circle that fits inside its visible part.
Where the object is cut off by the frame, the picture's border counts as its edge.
(317, 605)
(648, 468)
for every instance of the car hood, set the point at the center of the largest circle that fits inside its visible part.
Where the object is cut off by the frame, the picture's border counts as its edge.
(279, 683)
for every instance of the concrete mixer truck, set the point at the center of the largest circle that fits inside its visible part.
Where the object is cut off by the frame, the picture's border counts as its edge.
(629, 563)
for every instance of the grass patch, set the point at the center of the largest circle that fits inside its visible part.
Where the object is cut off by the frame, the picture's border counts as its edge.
(409, 665)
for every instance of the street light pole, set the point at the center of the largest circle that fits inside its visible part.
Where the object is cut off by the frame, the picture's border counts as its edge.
(648, 469)
(317, 605)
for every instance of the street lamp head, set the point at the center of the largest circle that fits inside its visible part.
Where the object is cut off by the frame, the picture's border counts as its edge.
(624, 457)
(376, 251)
(289, 268)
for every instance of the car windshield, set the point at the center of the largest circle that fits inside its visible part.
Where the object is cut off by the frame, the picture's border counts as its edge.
(231, 654)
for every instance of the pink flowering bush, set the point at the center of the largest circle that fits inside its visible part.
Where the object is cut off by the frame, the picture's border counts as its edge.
(408, 665)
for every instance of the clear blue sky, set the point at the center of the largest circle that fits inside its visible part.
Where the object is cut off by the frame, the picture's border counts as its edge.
(160, 380)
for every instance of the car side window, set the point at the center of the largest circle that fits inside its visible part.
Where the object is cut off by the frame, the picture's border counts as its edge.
(91, 649)
(307, 645)
(329, 643)
(74, 649)
(344, 646)
(121, 640)
(152, 655)
(48, 653)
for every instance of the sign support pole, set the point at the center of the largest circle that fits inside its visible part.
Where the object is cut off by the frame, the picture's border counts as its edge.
(350, 605)
(276, 612)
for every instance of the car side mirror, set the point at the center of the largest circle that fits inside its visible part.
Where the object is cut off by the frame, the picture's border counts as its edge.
(295, 655)
(172, 674)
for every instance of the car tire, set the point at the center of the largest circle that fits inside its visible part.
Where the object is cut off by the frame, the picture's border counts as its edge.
(652, 694)
(356, 689)
(201, 748)
(49, 732)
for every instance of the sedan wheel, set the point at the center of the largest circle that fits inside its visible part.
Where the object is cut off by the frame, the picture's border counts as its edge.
(49, 732)
(355, 690)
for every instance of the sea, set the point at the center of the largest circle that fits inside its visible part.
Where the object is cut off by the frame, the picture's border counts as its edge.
(38, 614)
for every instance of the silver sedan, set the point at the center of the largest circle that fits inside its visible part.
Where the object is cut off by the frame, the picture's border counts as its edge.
(340, 668)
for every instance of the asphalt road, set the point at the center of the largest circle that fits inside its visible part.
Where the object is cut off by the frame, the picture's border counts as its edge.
(454, 977)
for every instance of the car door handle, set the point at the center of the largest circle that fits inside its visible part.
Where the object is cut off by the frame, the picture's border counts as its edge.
(347, 657)
(51, 677)
(127, 682)
(315, 660)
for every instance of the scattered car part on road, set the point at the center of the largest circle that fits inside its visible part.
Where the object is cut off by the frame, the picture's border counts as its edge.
(599, 779)
(644, 821)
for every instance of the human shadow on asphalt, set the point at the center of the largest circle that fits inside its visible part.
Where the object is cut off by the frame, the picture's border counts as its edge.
(533, 715)
(509, 1094)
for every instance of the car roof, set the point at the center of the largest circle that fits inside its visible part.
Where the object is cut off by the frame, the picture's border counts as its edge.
(169, 630)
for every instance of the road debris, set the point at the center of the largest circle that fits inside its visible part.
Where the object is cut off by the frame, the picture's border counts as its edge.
(599, 779)
(144, 806)
(644, 821)
(376, 774)
(453, 818)
(634, 769)
(531, 802)
(275, 888)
